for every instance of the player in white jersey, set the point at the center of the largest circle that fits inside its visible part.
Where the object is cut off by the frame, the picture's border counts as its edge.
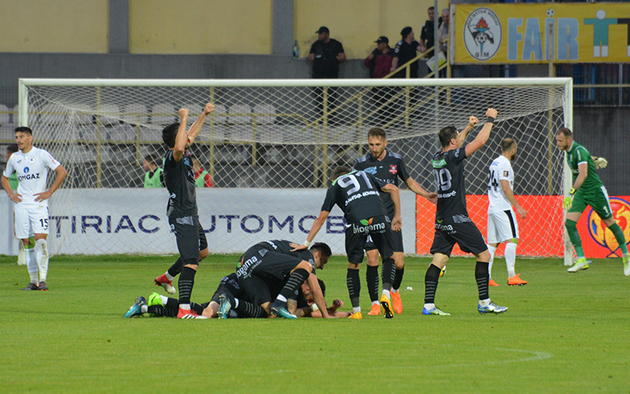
(31, 211)
(502, 224)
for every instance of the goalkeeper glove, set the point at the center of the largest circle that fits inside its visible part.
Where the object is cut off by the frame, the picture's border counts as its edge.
(600, 162)
(566, 204)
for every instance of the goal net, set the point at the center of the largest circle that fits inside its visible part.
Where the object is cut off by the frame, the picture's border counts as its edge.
(270, 146)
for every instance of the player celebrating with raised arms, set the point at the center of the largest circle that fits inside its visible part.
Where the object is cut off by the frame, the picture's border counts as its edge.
(31, 212)
(452, 224)
(587, 189)
(357, 194)
(502, 224)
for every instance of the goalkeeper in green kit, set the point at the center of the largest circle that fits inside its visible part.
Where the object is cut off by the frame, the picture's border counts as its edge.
(587, 189)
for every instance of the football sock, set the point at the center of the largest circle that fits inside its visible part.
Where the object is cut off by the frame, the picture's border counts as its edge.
(386, 293)
(388, 273)
(290, 289)
(197, 308)
(31, 264)
(575, 237)
(430, 283)
(510, 258)
(481, 275)
(354, 286)
(160, 310)
(144, 308)
(185, 286)
(41, 256)
(21, 253)
(170, 302)
(247, 309)
(175, 269)
(492, 251)
(371, 277)
(621, 240)
(398, 277)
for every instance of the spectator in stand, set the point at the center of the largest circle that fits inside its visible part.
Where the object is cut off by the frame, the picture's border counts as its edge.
(326, 54)
(443, 31)
(380, 62)
(404, 51)
(427, 36)
(154, 176)
(202, 178)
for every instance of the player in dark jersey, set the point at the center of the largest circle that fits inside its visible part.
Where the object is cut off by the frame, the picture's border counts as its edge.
(275, 265)
(452, 224)
(387, 167)
(179, 177)
(357, 194)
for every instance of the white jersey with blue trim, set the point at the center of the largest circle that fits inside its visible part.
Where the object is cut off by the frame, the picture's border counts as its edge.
(32, 173)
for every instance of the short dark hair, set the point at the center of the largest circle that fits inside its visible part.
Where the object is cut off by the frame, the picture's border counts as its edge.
(322, 286)
(446, 135)
(566, 132)
(507, 144)
(377, 132)
(339, 171)
(13, 148)
(170, 133)
(24, 129)
(431, 8)
(151, 159)
(405, 32)
(322, 248)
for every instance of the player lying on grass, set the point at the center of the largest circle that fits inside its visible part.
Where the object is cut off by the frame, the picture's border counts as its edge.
(229, 289)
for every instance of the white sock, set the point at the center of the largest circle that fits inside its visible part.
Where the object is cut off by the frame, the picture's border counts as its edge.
(144, 308)
(185, 307)
(484, 302)
(31, 264)
(282, 298)
(356, 309)
(491, 249)
(386, 293)
(235, 303)
(429, 306)
(169, 277)
(510, 258)
(164, 299)
(21, 254)
(41, 255)
(375, 303)
(394, 291)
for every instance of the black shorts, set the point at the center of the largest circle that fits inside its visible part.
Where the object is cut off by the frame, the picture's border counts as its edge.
(190, 237)
(229, 285)
(379, 230)
(260, 270)
(466, 235)
(397, 239)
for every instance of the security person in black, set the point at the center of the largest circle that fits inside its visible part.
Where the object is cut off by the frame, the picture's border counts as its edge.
(388, 167)
(452, 224)
(179, 177)
(357, 193)
(404, 51)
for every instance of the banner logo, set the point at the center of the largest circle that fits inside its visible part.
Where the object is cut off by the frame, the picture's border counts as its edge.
(601, 234)
(482, 34)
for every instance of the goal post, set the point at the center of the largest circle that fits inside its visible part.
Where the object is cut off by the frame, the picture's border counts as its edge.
(270, 146)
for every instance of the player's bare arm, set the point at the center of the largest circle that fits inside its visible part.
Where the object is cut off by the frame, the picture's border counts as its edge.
(195, 129)
(484, 134)
(16, 198)
(318, 296)
(472, 122)
(61, 175)
(509, 194)
(416, 188)
(182, 137)
(582, 174)
(395, 194)
(317, 224)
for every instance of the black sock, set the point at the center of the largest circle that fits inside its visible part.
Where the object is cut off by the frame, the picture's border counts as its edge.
(185, 285)
(247, 309)
(398, 278)
(388, 273)
(290, 289)
(176, 268)
(371, 277)
(161, 311)
(354, 286)
(172, 303)
(482, 276)
(430, 283)
(197, 308)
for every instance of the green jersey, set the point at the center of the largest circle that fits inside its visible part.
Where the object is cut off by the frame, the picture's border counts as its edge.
(153, 179)
(578, 155)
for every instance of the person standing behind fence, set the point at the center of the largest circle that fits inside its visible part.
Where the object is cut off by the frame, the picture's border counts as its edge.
(202, 178)
(404, 51)
(427, 36)
(380, 62)
(154, 177)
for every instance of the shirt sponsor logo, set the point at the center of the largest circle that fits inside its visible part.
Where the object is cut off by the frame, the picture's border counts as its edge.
(377, 227)
(444, 227)
(448, 195)
(359, 195)
(245, 269)
(370, 170)
(438, 163)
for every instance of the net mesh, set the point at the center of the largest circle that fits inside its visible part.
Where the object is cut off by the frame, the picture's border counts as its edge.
(290, 138)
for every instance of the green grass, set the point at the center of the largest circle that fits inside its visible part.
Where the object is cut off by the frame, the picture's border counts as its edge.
(563, 333)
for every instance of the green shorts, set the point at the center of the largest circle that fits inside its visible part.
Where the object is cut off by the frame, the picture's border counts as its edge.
(596, 198)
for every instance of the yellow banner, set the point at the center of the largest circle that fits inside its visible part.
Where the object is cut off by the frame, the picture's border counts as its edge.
(534, 33)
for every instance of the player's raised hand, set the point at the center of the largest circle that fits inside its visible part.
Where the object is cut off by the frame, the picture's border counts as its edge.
(522, 212)
(183, 112)
(472, 121)
(397, 223)
(491, 112)
(209, 108)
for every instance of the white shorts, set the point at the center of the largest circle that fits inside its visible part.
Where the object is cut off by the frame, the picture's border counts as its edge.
(30, 219)
(502, 226)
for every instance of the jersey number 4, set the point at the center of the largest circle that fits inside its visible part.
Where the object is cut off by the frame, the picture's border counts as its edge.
(351, 180)
(492, 182)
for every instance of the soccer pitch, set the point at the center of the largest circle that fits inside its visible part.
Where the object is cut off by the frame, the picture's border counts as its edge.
(563, 333)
